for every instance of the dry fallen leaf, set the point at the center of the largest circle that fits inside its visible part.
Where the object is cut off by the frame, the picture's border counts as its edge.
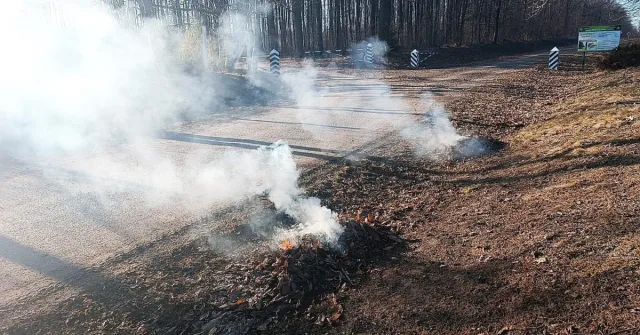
(540, 260)
(505, 330)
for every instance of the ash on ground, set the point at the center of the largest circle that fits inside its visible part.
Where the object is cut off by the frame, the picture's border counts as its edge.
(471, 147)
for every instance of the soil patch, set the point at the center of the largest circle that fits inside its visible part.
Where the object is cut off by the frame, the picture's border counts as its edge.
(540, 237)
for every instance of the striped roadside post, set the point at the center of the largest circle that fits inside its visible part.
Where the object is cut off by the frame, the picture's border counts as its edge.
(554, 58)
(274, 62)
(415, 58)
(369, 56)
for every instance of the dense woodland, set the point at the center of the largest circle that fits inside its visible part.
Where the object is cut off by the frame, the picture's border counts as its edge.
(294, 26)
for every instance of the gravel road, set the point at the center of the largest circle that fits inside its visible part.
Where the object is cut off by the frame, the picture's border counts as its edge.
(65, 213)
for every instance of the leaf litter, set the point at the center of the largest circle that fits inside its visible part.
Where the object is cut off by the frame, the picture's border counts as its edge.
(449, 247)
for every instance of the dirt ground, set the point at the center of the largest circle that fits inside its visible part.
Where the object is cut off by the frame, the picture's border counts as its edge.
(540, 237)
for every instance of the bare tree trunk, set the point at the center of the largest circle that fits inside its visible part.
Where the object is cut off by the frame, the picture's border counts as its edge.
(146, 8)
(567, 14)
(308, 24)
(338, 21)
(358, 19)
(272, 31)
(401, 21)
(319, 32)
(373, 18)
(386, 6)
(297, 27)
(462, 20)
(497, 30)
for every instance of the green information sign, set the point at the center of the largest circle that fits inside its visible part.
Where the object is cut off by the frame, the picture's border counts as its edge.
(599, 38)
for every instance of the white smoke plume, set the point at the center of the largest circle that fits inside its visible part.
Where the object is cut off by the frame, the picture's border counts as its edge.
(426, 127)
(433, 135)
(86, 95)
(91, 92)
(93, 80)
(380, 48)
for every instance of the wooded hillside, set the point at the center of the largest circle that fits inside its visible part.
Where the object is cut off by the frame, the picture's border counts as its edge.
(294, 26)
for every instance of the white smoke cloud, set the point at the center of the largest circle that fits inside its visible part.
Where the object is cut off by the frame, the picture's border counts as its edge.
(93, 80)
(379, 48)
(433, 135)
(93, 91)
(315, 219)
(271, 170)
(427, 127)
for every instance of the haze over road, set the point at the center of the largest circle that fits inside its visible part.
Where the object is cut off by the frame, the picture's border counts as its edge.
(54, 220)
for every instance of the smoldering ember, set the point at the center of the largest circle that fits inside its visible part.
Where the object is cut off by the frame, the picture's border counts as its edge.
(319, 167)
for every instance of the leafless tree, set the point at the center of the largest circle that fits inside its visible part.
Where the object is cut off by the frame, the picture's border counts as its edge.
(295, 26)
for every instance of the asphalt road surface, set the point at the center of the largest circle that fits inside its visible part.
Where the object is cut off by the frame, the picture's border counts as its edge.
(62, 214)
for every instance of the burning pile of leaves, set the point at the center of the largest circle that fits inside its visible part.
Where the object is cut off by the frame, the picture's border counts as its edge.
(303, 279)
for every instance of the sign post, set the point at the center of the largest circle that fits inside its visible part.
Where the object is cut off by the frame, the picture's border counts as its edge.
(598, 39)
(415, 58)
(554, 58)
(369, 56)
(274, 62)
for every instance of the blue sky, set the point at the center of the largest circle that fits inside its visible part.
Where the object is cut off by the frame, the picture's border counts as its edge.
(634, 18)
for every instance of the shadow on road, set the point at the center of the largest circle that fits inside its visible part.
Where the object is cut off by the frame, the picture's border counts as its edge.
(300, 124)
(355, 110)
(250, 144)
(101, 287)
(329, 155)
(100, 294)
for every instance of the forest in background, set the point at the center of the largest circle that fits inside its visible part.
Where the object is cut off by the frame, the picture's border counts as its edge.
(295, 26)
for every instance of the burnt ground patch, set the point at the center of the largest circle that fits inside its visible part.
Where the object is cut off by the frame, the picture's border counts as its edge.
(232, 282)
(540, 237)
(472, 147)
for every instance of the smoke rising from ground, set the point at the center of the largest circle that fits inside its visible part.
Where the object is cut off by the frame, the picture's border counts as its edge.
(434, 137)
(84, 100)
(94, 85)
(379, 48)
(91, 81)
(427, 127)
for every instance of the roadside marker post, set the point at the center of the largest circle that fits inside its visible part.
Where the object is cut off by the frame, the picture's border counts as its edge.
(274, 62)
(415, 58)
(369, 55)
(554, 58)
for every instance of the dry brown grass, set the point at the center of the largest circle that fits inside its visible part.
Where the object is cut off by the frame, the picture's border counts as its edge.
(541, 238)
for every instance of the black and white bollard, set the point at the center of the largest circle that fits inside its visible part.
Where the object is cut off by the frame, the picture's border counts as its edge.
(554, 58)
(274, 62)
(415, 58)
(369, 56)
